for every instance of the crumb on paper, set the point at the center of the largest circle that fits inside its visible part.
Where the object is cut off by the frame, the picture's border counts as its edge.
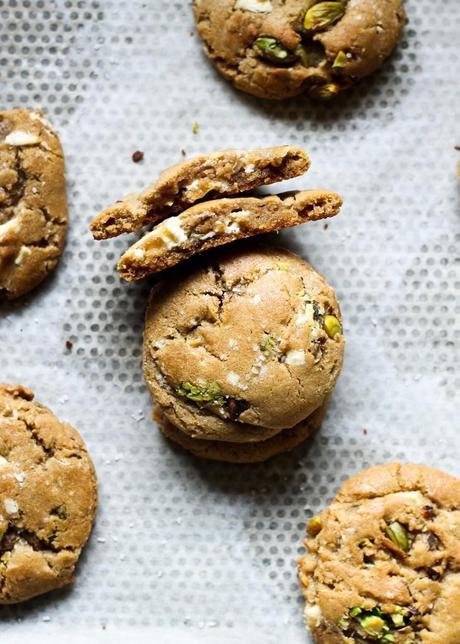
(69, 345)
(365, 432)
(195, 127)
(138, 416)
(326, 226)
(457, 147)
(183, 152)
(137, 156)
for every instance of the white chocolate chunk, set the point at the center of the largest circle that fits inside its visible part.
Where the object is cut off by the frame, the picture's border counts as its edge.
(171, 232)
(256, 6)
(11, 506)
(295, 357)
(139, 253)
(11, 226)
(233, 378)
(312, 615)
(232, 228)
(19, 138)
(23, 253)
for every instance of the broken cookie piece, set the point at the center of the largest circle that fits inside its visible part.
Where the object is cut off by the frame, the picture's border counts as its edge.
(383, 559)
(239, 347)
(208, 176)
(214, 223)
(48, 497)
(281, 48)
(33, 205)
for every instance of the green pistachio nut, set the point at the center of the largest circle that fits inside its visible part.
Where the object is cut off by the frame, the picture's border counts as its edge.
(314, 526)
(388, 637)
(323, 14)
(332, 326)
(340, 60)
(397, 619)
(302, 55)
(325, 91)
(398, 534)
(271, 49)
(355, 611)
(269, 346)
(373, 625)
(209, 393)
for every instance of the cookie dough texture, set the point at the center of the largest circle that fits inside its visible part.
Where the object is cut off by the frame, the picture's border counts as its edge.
(208, 176)
(235, 348)
(383, 560)
(33, 206)
(47, 497)
(215, 223)
(281, 48)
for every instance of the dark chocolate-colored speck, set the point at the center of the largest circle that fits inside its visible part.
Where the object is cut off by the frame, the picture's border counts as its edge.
(365, 432)
(433, 541)
(183, 152)
(138, 155)
(433, 574)
(457, 147)
(235, 407)
(69, 345)
(326, 226)
(427, 512)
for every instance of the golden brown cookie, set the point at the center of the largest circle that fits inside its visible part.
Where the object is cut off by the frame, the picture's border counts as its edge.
(48, 497)
(285, 441)
(208, 176)
(243, 344)
(383, 562)
(215, 223)
(280, 48)
(33, 204)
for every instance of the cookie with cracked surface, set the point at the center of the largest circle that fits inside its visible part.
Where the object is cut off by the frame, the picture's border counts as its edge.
(48, 497)
(215, 223)
(383, 562)
(243, 344)
(281, 48)
(230, 452)
(33, 204)
(208, 176)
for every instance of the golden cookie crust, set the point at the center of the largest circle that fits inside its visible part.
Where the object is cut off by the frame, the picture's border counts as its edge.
(33, 204)
(48, 497)
(207, 176)
(214, 223)
(229, 452)
(353, 46)
(235, 347)
(388, 547)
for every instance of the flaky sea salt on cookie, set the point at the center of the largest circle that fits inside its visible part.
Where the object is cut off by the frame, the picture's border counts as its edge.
(383, 559)
(215, 223)
(219, 174)
(48, 497)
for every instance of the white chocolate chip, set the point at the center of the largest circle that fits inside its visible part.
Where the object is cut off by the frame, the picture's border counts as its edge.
(3, 461)
(233, 344)
(249, 168)
(11, 226)
(139, 253)
(295, 357)
(23, 253)
(19, 138)
(20, 476)
(171, 232)
(11, 506)
(256, 6)
(313, 615)
(231, 228)
(256, 299)
(233, 378)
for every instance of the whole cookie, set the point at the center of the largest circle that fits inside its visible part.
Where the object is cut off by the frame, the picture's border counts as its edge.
(384, 559)
(244, 344)
(47, 497)
(280, 48)
(33, 206)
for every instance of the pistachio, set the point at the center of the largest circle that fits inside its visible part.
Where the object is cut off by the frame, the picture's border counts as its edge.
(314, 526)
(5, 558)
(355, 611)
(61, 511)
(325, 91)
(340, 60)
(373, 625)
(269, 346)
(332, 326)
(388, 637)
(302, 55)
(398, 534)
(397, 619)
(210, 393)
(323, 15)
(271, 49)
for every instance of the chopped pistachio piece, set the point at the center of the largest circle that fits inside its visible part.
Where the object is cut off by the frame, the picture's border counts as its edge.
(301, 52)
(373, 625)
(269, 346)
(398, 534)
(272, 50)
(314, 526)
(324, 92)
(332, 326)
(356, 610)
(397, 619)
(5, 557)
(323, 15)
(195, 127)
(388, 637)
(340, 60)
(210, 393)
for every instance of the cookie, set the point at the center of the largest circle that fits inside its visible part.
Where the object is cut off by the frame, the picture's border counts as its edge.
(384, 559)
(208, 176)
(281, 48)
(33, 205)
(214, 223)
(243, 344)
(47, 497)
(229, 452)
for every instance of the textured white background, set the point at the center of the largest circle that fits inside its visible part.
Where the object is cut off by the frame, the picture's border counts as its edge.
(187, 551)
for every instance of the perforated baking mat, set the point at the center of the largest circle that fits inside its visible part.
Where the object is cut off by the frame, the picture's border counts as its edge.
(184, 550)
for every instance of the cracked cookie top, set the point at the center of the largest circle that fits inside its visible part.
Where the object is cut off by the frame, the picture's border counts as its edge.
(242, 345)
(280, 48)
(384, 559)
(33, 206)
(47, 497)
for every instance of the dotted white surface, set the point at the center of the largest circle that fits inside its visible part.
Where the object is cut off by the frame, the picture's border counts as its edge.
(186, 550)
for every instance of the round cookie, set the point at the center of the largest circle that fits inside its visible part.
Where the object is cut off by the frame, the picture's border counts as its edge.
(33, 206)
(384, 559)
(48, 497)
(229, 452)
(281, 48)
(243, 344)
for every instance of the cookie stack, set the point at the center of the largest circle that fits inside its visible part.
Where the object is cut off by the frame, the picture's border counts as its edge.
(243, 346)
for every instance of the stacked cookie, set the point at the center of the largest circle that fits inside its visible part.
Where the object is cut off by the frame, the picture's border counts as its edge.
(242, 347)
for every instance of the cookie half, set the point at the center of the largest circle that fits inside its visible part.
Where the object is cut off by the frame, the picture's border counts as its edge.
(243, 344)
(285, 441)
(214, 223)
(48, 497)
(383, 560)
(281, 48)
(208, 176)
(33, 205)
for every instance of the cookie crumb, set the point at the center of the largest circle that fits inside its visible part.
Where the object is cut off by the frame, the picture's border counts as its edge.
(137, 156)
(183, 152)
(195, 127)
(69, 345)
(326, 226)
(365, 432)
(457, 147)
